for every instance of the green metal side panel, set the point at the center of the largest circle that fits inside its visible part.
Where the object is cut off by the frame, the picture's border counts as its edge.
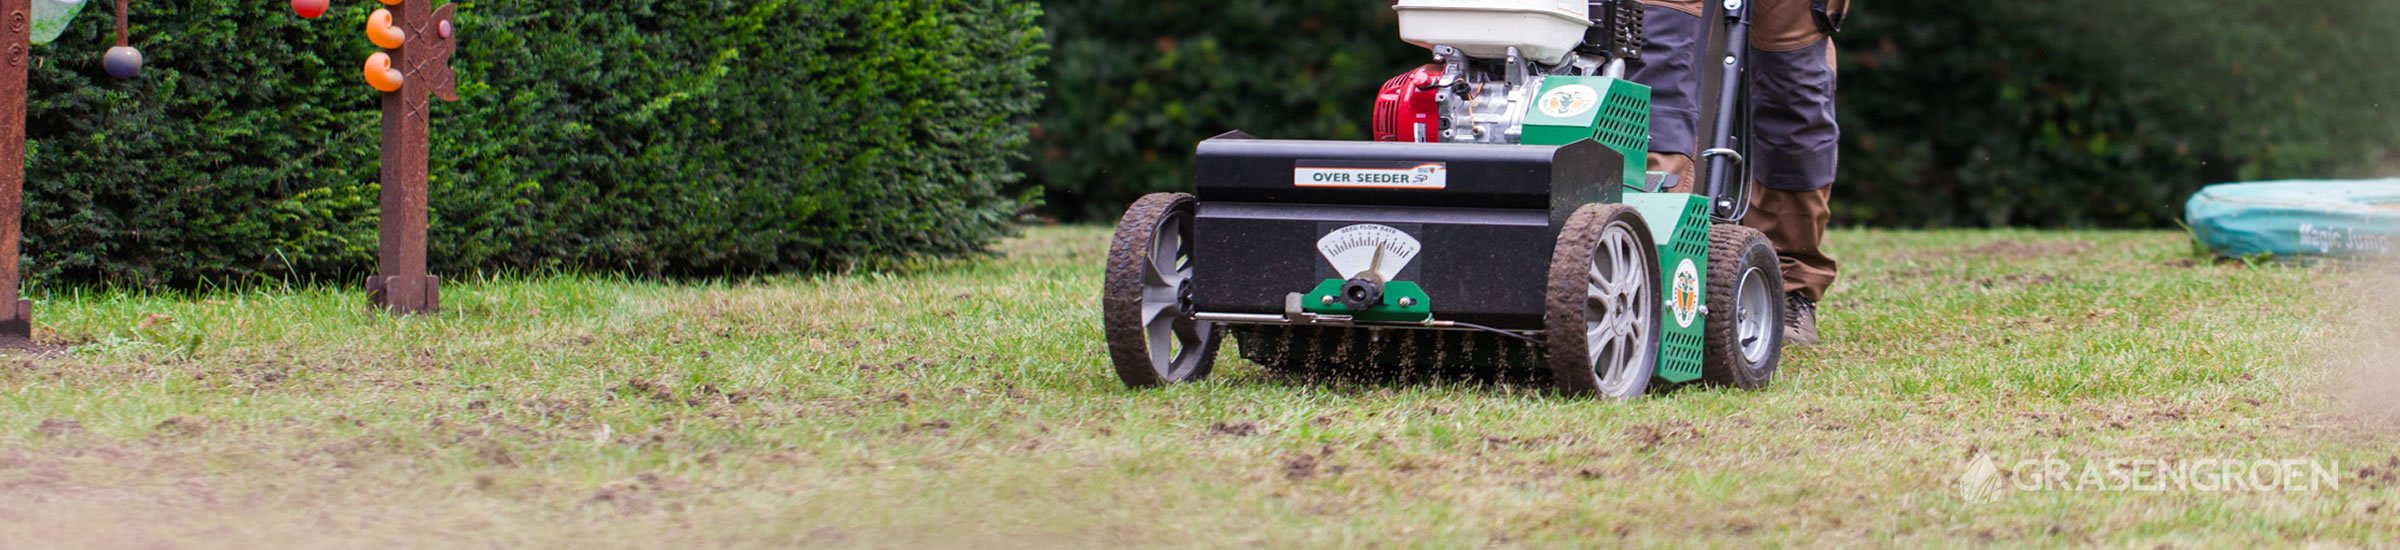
(1617, 114)
(1418, 310)
(1614, 112)
(1680, 222)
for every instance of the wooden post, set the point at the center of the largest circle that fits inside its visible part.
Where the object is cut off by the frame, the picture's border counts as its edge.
(16, 313)
(401, 283)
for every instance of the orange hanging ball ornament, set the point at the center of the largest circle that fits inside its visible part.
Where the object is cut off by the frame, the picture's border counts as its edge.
(310, 9)
(382, 33)
(381, 75)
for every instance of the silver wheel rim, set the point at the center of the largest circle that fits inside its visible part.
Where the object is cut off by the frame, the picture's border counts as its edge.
(1754, 317)
(1173, 337)
(1617, 312)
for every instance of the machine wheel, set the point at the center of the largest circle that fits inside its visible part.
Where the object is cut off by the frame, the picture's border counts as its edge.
(1602, 326)
(1745, 308)
(1146, 305)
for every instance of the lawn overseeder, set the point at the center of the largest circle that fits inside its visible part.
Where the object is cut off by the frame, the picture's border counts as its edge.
(1502, 217)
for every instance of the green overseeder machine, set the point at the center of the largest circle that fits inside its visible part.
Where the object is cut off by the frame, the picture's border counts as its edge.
(1502, 219)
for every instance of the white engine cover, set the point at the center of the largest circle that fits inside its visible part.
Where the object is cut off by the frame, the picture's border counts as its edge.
(1543, 31)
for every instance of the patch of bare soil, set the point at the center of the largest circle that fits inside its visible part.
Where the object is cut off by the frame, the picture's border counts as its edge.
(1309, 465)
(641, 495)
(29, 346)
(2021, 280)
(58, 427)
(2021, 250)
(91, 492)
(1648, 437)
(1235, 429)
(183, 426)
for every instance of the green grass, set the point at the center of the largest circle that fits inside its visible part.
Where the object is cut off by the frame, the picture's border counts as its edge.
(972, 405)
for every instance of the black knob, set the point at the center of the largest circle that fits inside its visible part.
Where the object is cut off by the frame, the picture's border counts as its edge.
(1362, 293)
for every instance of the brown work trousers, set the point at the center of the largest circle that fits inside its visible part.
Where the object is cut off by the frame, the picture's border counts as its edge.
(1794, 136)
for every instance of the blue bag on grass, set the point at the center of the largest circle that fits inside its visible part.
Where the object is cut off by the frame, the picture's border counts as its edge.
(2348, 219)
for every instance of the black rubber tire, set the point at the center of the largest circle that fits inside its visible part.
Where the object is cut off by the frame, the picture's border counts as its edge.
(1734, 252)
(1573, 366)
(1121, 297)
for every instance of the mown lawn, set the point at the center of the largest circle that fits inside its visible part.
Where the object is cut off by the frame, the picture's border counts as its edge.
(971, 405)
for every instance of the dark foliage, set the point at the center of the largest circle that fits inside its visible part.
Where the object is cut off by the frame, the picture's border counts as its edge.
(2041, 112)
(696, 137)
(1138, 82)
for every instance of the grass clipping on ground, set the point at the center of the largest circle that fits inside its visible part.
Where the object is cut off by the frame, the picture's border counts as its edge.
(972, 405)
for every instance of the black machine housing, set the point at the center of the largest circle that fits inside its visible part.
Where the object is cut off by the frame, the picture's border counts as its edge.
(1616, 31)
(1487, 235)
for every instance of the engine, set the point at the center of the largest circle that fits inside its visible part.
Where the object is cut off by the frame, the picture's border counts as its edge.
(1480, 92)
(1407, 109)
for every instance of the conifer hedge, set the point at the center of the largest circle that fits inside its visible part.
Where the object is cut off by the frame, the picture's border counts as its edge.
(691, 137)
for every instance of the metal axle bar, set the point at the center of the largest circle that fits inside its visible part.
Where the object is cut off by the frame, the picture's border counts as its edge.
(1340, 321)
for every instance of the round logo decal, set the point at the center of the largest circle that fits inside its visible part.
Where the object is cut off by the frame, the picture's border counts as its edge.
(1569, 100)
(1686, 299)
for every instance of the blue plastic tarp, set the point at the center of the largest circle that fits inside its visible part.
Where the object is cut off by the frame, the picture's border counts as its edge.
(2298, 218)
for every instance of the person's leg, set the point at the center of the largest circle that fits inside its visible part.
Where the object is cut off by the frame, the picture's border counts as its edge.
(1674, 32)
(1795, 145)
(1795, 221)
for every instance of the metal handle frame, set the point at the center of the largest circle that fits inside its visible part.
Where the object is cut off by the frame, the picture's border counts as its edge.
(1724, 164)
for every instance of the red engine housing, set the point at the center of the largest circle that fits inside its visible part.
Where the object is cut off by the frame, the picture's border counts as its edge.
(1405, 109)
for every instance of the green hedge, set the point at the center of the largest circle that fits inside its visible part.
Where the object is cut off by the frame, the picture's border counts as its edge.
(2037, 112)
(694, 137)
